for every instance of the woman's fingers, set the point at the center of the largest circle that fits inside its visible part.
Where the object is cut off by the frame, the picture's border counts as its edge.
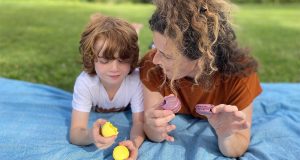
(161, 113)
(226, 119)
(159, 120)
(160, 117)
(170, 128)
(168, 137)
(240, 125)
(239, 116)
(224, 108)
(163, 121)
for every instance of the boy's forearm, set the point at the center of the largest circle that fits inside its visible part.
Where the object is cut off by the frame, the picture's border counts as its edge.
(233, 146)
(137, 134)
(80, 136)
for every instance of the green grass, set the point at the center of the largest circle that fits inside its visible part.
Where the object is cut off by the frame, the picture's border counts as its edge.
(272, 32)
(39, 40)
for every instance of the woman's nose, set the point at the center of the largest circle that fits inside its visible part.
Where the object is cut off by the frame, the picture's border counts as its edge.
(156, 58)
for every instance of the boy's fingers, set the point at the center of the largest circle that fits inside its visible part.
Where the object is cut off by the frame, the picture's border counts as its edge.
(131, 147)
(103, 146)
(99, 122)
(127, 143)
(106, 140)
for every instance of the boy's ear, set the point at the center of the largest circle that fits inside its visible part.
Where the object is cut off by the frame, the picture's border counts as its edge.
(137, 27)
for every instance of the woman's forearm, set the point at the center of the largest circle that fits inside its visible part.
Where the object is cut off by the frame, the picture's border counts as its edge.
(152, 134)
(234, 145)
(137, 134)
(80, 136)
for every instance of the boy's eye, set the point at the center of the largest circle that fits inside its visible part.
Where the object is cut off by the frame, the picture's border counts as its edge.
(123, 60)
(103, 60)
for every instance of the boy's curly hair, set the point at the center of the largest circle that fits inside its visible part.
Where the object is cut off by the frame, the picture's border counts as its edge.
(120, 37)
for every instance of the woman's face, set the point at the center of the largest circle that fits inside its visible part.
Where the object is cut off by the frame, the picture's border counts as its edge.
(169, 61)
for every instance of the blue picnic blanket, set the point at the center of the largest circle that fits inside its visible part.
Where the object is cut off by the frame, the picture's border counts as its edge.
(35, 120)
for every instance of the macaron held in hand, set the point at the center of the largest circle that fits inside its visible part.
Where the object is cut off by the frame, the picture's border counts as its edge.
(108, 129)
(120, 153)
(172, 103)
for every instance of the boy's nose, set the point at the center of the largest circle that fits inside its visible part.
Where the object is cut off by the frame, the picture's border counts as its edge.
(115, 65)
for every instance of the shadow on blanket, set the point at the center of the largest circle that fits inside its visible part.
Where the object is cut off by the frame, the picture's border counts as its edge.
(35, 123)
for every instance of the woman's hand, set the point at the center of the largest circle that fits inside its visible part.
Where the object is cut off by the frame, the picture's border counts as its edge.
(100, 141)
(227, 120)
(157, 124)
(133, 150)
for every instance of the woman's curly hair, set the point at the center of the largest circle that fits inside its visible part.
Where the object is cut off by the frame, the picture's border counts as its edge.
(202, 31)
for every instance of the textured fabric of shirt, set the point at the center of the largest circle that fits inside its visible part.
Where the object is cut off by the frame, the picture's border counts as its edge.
(236, 90)
(89, 93)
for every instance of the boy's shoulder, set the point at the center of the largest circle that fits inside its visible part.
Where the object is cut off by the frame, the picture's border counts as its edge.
(134, 76)
(133, 80)
(87, 78)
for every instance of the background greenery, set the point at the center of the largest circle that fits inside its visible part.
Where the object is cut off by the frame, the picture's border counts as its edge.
(39, 39)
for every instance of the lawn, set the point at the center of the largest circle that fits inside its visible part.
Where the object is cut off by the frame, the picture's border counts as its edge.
(39, 39)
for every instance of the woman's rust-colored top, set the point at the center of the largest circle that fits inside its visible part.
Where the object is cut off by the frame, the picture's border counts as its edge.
(237, 90)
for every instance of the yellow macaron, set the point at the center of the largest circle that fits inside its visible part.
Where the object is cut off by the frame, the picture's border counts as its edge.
(108, 129)
(120, 153)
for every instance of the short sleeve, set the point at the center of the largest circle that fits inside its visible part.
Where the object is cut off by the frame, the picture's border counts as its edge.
(81, 96)
(137, 104)
(244, 90)
(150, 74)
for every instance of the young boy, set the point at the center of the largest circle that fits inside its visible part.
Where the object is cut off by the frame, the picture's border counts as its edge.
(109, 82)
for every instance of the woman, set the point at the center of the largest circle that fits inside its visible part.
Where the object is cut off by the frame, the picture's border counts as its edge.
(197, 58)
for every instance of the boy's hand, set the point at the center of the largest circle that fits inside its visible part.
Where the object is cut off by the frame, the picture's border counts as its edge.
(132, 149)
(100, 141)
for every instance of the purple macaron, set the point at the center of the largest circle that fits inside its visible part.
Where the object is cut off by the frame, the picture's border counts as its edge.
(172, 103)
(204, 109)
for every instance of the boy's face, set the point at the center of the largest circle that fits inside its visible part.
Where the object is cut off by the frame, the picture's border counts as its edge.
(110, 72)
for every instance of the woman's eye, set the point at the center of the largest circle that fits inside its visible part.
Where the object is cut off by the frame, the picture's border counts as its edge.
(165, 56)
